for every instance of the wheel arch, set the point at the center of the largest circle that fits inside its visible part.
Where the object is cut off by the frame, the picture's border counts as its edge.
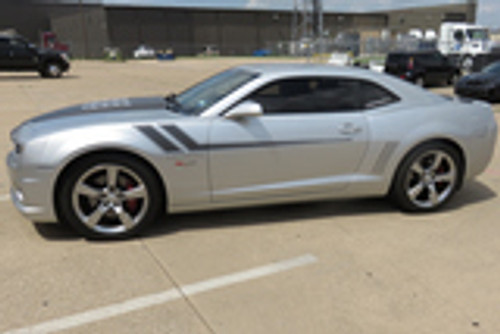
(443, 140)
(86, 155)
(49, 60)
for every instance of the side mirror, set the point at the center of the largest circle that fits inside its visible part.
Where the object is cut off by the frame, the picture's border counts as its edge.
(245, 109)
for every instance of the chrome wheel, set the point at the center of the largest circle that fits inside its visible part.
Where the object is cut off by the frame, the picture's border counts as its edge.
(431, 179)
(420, 82)
(54, 70)
(110, 199)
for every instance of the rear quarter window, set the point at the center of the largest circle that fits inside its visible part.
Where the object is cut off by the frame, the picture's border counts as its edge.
(373, 96)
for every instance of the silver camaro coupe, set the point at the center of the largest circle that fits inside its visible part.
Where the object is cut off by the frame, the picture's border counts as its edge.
(256, 134)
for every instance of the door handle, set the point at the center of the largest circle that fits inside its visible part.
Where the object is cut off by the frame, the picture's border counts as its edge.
(349, 129)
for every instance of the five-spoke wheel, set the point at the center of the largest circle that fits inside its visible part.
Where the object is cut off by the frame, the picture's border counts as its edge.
(109, 196)
(427, 178)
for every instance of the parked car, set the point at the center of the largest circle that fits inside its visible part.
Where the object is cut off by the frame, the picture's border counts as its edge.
(209, 51)
(484, 85)
(144, 52)
(17, 54)
(377, 65)
(341, 59)
(422, 67)
(262, 53)
(255, 134)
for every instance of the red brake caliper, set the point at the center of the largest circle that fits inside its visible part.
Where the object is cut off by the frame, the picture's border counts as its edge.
(131, 204)
(439, 172)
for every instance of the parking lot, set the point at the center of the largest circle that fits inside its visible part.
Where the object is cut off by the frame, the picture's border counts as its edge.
(356, 266)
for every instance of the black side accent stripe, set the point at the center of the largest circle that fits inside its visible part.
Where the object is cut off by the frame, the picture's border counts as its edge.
(158, 138)
(275, 144)
(191, 145)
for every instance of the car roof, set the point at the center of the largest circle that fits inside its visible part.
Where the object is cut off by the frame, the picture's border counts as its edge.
(313, 70)
(304, 70)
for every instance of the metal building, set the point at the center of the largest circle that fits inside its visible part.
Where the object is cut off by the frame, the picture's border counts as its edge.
(89, 26)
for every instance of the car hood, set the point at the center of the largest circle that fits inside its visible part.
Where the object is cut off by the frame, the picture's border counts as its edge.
(117, 111)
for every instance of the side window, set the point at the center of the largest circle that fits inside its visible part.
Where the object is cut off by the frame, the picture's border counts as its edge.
(374, 96)
(437, 58)
(311, 95)
(17, 43)
(431, 59)
(424, 60)
(285, 96)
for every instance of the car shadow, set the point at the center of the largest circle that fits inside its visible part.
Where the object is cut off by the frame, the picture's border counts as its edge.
(473, 192)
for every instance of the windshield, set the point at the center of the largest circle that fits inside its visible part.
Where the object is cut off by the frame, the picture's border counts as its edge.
(493, 68)
(477, 34)
(202, 96)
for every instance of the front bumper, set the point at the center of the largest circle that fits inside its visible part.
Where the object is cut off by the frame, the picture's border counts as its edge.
(31, 190)
(477, 92)
(66, 67)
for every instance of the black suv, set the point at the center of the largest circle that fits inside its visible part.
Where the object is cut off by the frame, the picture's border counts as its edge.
(16, 54)
(422, 67)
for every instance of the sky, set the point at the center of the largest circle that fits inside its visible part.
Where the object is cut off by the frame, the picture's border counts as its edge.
(487, 12)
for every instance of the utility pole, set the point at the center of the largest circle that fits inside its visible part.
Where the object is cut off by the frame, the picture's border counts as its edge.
(308, 25)
(295, 22)
(318, 24)
(84, 31)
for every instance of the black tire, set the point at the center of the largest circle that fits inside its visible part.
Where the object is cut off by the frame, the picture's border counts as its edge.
(467, 64)
(494, 95)
(419, 81)
(51, 70)
(118, 214)
(453, 80)
(407, 180)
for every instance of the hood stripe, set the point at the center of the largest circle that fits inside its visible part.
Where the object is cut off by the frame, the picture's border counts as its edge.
(183, 138)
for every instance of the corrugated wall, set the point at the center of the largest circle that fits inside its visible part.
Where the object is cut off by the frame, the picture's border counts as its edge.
(233, 32)
(28, 20)
(401, 21)
(85, 29)
(188, 31)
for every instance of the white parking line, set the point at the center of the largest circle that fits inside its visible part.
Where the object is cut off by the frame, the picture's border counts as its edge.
(4, 198)
(135, 304)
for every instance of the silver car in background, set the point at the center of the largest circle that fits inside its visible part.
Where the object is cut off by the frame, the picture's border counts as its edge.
(251, 135)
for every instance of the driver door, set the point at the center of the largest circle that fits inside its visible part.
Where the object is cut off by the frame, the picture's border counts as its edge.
(311, 138)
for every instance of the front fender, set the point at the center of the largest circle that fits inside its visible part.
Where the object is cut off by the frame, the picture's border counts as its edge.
(182, 184)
